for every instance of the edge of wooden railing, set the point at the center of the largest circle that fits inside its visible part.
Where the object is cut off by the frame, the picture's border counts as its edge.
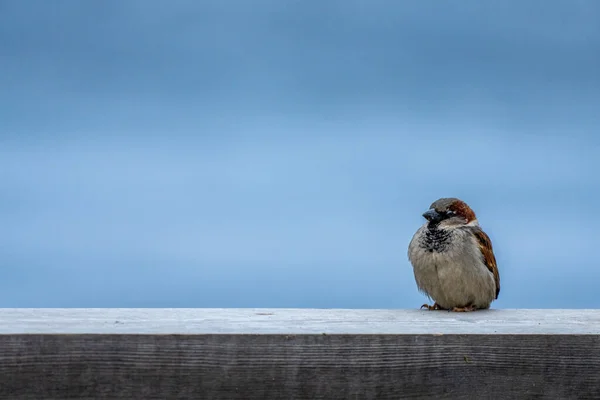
(298, 354)
(296, 321)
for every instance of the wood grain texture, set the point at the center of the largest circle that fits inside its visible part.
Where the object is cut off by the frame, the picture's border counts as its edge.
(69, 361)
(299, 366)
(296, 321)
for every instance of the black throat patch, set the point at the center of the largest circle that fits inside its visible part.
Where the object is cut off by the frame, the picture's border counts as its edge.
(435, 240)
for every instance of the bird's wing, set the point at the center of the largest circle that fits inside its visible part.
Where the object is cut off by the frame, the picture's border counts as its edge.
(485, 246)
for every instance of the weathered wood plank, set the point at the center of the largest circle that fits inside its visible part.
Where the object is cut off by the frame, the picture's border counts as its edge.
(297, 321)
(299, 367)
(253, 354)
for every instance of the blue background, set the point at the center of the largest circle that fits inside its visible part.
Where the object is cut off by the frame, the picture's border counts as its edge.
(280, 153)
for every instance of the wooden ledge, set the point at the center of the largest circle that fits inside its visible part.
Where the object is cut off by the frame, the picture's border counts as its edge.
(295, 321)
(298, 354)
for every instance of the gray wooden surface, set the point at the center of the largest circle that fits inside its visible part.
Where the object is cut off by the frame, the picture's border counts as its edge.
(298, 354)
(296, 321)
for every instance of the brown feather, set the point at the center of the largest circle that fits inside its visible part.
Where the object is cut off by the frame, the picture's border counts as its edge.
(461, 208)
(485, 245)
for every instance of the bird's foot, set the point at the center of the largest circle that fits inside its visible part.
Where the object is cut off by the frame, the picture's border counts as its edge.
(435, 306)
(464, 309)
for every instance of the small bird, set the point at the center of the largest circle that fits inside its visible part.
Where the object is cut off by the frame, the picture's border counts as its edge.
(453, 259)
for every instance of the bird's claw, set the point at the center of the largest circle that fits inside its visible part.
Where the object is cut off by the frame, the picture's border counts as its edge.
(464, 309)
(435, 306)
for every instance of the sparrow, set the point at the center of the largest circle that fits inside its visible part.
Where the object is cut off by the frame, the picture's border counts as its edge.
(453, 260)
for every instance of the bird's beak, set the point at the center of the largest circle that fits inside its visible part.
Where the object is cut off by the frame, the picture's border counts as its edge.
(431, 215)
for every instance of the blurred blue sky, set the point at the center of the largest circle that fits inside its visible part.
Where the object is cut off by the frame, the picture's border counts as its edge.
(280, 153)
